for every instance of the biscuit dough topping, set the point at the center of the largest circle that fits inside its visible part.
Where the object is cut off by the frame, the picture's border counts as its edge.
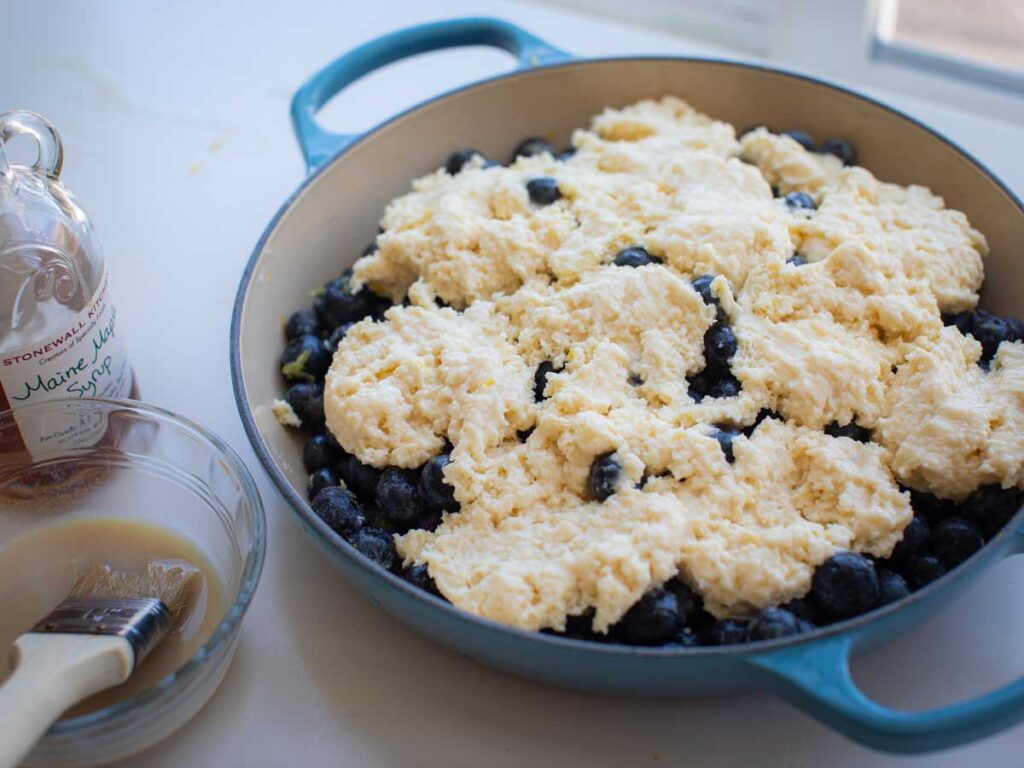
(698, 381)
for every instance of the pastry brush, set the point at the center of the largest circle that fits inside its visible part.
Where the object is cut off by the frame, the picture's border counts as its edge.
(92, 641)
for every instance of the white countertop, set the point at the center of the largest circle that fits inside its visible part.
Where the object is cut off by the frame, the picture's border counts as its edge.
(175, 124)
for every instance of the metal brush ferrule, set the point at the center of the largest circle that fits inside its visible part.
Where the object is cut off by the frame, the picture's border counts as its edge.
(142, 621)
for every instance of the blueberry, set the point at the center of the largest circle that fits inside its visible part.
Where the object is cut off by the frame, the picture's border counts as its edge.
(725, 434)
(301, 323)
(841, 148)
(458, 159)
(712, 382)
(922, 569)
(566, 153)
(991, 507)
(337, 335)
(990, 330)
(339, 304)
(533, 146)
(852, 430)
(702, 285)
(954, 539)
(635, 256)
(398, 498)
(727, 386)
(492, 164)
(435, 492)
(360, 478)
(796, 260)
(371, 247)
(322, 478)
(419, 576)
(700, 384)
(961, 320)
(802, 138)
(377, 545)
(581, 627)
(773, 623)
(800, 201)
(540, 379)
(719, 345)
(307, 400)
(543, 190)
(684, 638)
(845, 585)
(1016, 327)
(429, 521)
(689, 602)
(376, 304)
(523, 435)
(702, 623)
(604, 477)
(915, 536)
(652, 620)
(305, 359)
(891, 586)
(728, 632)
(932, 506)
(340, 509)
(320, 451)
(804, 609)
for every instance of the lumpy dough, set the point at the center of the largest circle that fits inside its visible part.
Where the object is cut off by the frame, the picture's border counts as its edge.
(661, 127)
(529, 549)
(787, 166)
(398, 390)
(657, 174)
(908, 223)
(792, 497)
(853, 334)
(467, 237)
(820, 340)
(932, 242)
(812, 369)
(650, 312)
(285, 414)
(951, 426)
(682, 209)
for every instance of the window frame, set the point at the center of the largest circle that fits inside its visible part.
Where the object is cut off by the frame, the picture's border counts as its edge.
(887, 47)
(850, 41)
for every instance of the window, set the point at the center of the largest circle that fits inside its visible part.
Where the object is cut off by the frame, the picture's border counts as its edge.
(965, 53)
(980, 40)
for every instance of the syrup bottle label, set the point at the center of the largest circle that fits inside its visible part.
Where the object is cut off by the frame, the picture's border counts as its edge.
(85, 359)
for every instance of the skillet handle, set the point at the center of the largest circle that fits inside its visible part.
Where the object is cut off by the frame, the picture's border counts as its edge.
(817, 680)
(319, 145)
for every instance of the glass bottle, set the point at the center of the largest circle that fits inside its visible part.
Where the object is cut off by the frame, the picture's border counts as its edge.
(59, 336)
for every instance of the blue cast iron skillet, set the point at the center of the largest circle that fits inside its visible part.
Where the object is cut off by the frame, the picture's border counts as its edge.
(323, 226)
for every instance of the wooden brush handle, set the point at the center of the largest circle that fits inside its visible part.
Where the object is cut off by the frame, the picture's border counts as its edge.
(52, 672)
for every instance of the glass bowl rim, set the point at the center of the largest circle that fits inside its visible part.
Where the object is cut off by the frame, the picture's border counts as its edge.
(250, 574)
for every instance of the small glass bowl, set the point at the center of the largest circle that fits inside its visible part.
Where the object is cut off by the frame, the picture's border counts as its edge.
(146, 464)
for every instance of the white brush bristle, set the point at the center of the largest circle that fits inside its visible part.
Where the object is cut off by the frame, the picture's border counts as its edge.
(172, 585)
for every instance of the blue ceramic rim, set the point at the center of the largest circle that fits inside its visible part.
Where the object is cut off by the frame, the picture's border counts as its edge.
(328, 538)
(248, 579)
